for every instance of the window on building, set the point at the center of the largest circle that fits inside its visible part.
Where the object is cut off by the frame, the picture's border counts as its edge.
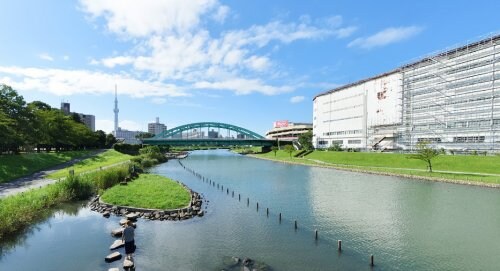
(354, 141)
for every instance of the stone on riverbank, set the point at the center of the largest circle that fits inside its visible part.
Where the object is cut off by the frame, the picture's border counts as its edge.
(113, 257)
(117, 232)
(117, 244)
(128, 264)
(106, 214)
(132, 216)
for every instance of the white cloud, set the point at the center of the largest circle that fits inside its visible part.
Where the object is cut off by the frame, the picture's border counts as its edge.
(46, 56)
(345, 32)
(172, 42)
(114, 61)
(66, 57)
(296, 99)
(386, 36)
(221, 14)
(142, 18)
(68, 82)
(158, 100)
(242, 86)
(258, 63)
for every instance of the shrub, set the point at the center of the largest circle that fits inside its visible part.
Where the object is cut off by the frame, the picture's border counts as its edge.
(335, 147)
(127, 148)
(149, 162)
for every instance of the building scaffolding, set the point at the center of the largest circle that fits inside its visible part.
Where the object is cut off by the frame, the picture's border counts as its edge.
(452, 100)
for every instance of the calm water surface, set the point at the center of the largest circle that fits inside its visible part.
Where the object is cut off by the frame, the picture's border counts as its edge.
(405, 224)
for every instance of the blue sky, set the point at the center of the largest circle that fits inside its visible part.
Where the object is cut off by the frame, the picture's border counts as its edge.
(247, 63)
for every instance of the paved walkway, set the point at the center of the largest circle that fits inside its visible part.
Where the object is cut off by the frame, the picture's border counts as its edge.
(38, 179)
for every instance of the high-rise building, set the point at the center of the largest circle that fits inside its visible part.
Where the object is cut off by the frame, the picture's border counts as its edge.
(156, 127)
(65, 108)
(88, 120)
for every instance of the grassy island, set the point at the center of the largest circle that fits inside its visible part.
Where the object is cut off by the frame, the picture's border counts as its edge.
(148, 191)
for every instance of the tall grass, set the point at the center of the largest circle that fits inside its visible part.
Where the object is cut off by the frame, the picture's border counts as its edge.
(20, 210)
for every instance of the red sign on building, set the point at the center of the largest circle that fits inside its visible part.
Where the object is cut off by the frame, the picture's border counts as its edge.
(281, 123)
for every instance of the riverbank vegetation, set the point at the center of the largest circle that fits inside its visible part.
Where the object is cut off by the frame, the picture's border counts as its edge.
(16, 166)
(36, 126)
(246, 150)
(148, 191)
(107, 158)
(20, 210)
(460, 168)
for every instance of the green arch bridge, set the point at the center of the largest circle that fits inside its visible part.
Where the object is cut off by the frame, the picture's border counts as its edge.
(193, 134)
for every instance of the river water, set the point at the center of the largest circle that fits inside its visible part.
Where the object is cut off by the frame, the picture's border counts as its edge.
(405, 224)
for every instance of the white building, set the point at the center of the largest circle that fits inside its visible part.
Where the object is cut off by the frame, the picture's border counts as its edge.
(288, 130)
(126, 136)
(450, 99)
(156, 127)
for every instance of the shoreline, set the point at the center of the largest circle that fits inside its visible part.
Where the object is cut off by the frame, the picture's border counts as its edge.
(409, 176)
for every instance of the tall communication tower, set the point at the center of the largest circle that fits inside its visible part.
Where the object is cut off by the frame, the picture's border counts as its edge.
(116, 111)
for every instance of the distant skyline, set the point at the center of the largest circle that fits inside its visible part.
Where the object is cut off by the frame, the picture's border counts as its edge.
(247, 63)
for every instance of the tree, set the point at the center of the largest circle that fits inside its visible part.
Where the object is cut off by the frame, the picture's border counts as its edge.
(110, 140)
(274, 149)
(305, 140)
(289, 149)
(144, 135)
(425, 153)
(13, 107)
(100, 138)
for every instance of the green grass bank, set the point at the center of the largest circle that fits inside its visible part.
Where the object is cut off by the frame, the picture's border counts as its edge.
(107, 158)
(471, 169)
(20, 210)
(16, 166)
(148, 191)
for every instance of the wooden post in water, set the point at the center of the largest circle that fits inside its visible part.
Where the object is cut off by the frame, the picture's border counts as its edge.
(295, 224)
(239, 197)
(267, 212)
(280, 218)
(227, 191)
(371, 260)
(248, 201)
(315, 234)
(233, 194)
(339, 245)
